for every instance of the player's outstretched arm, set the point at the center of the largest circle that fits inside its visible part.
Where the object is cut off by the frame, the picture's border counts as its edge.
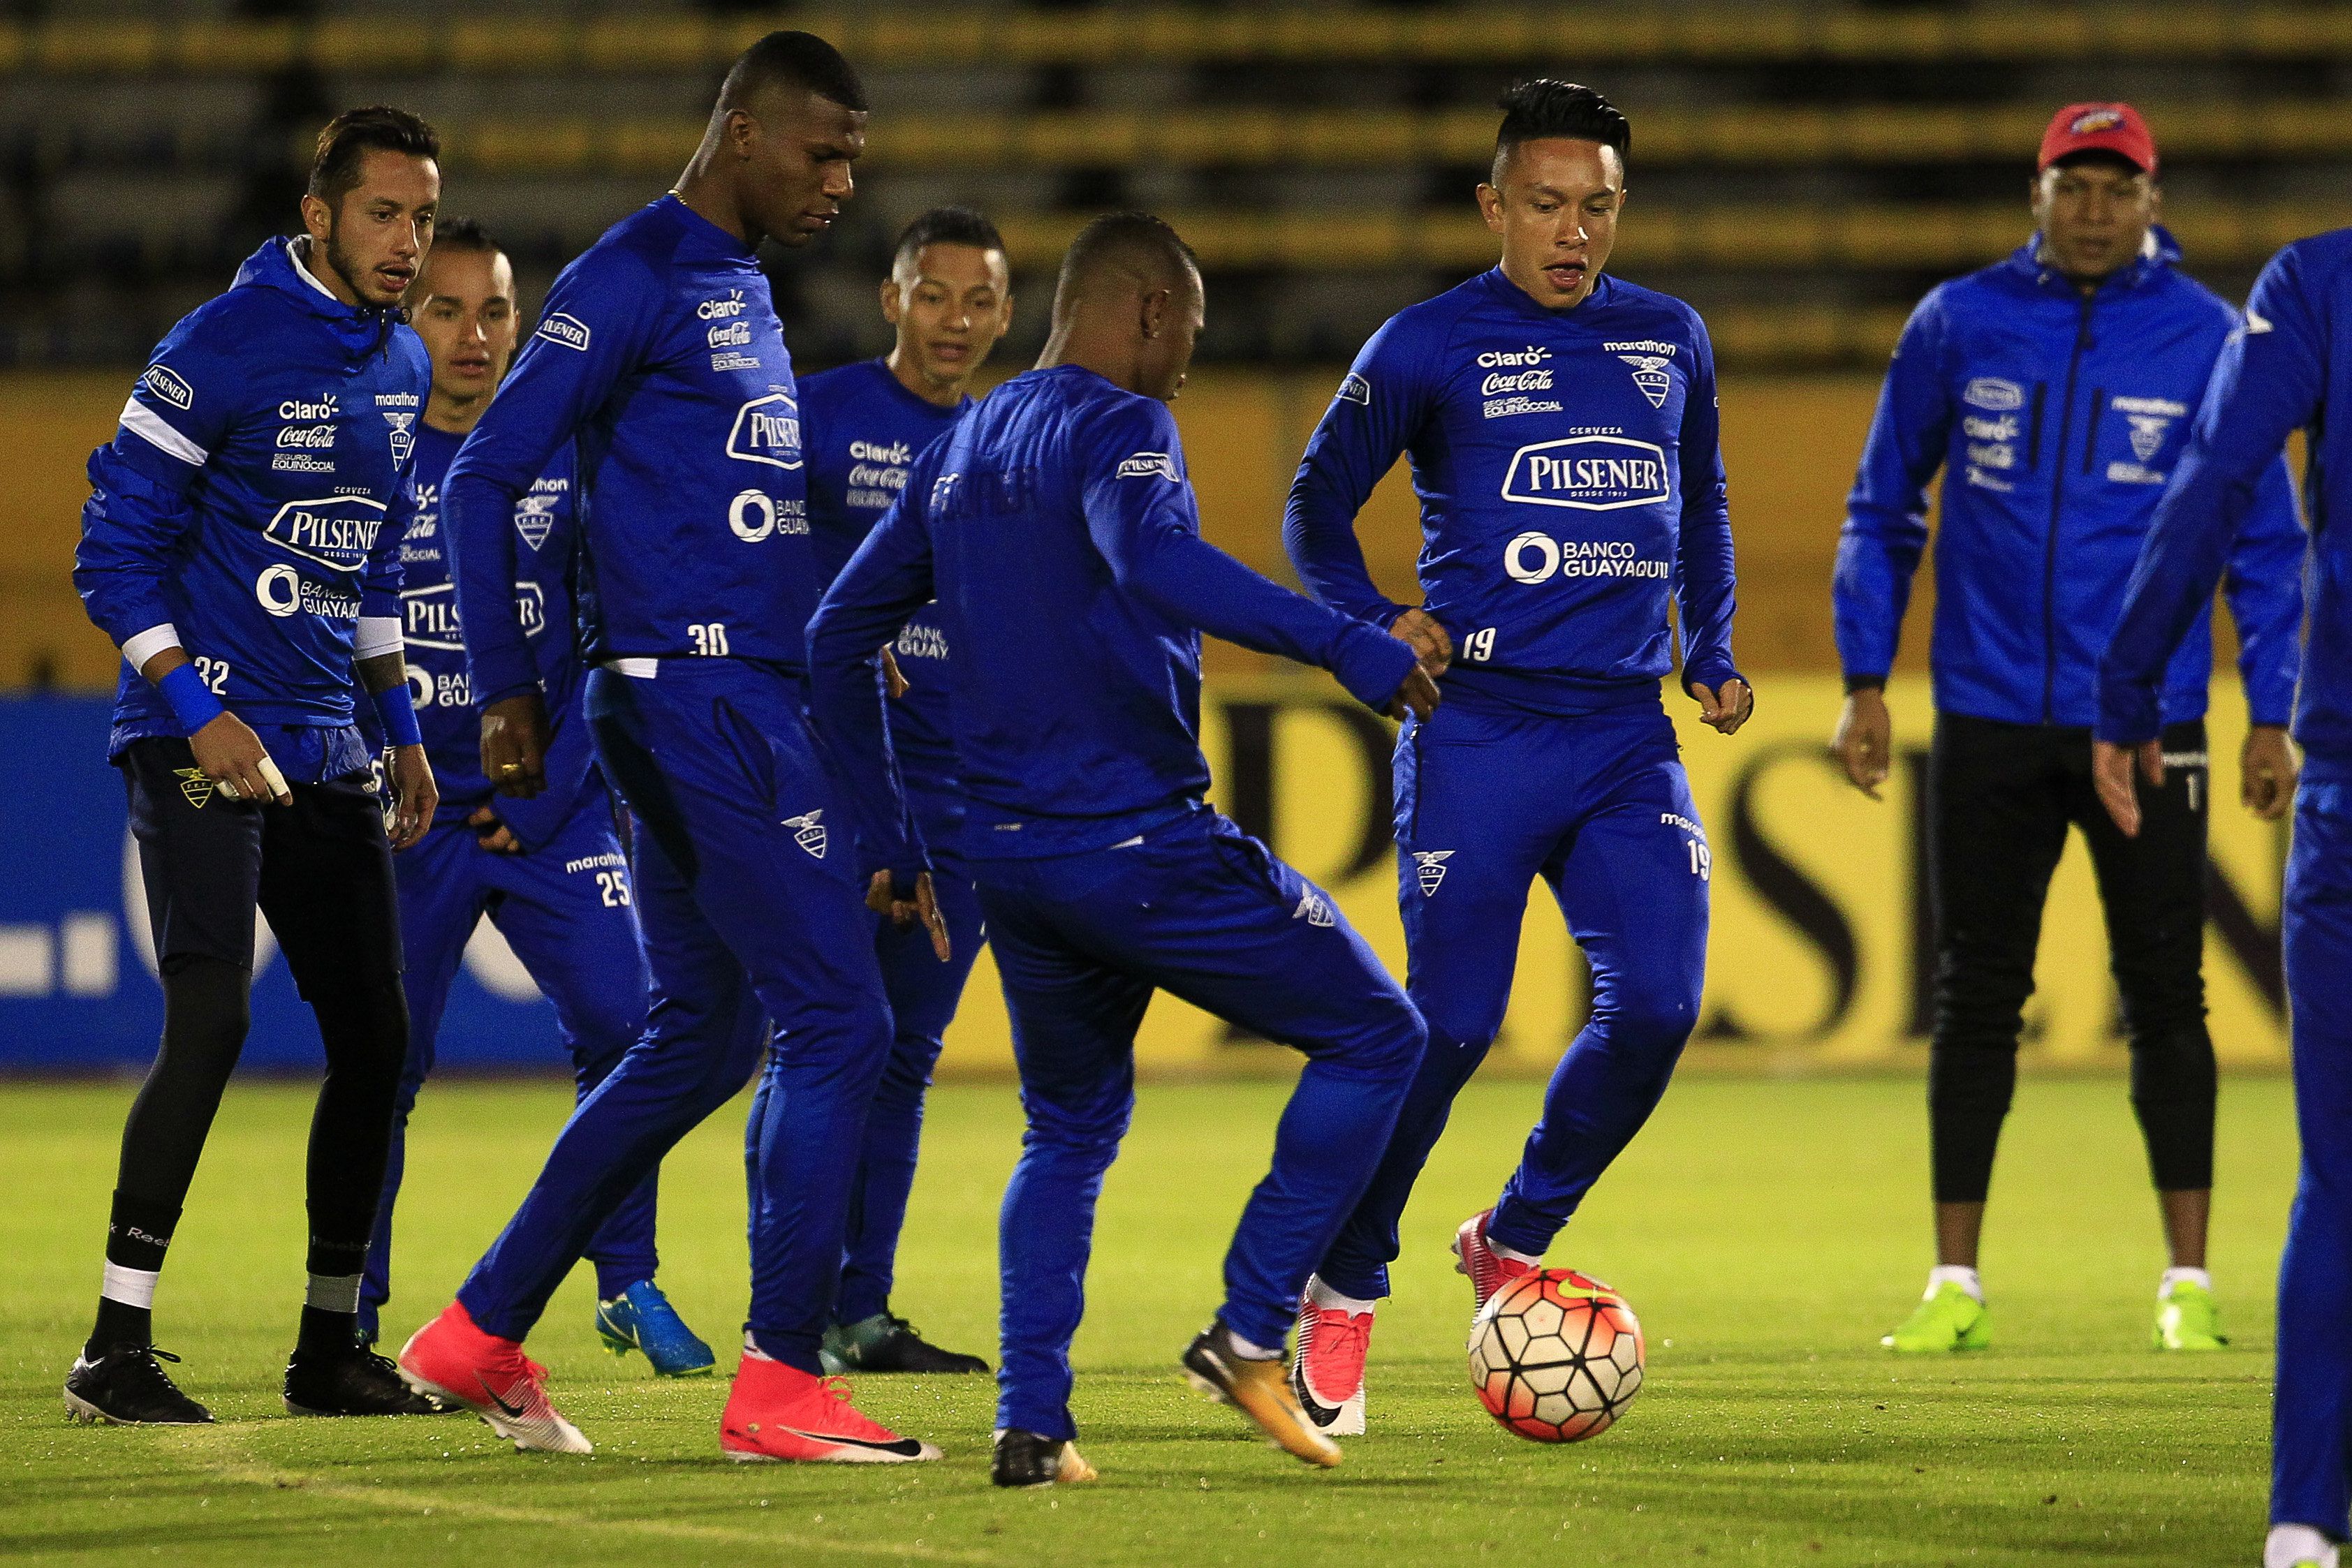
(2266, 384)
(1884, 536)
(597, 319)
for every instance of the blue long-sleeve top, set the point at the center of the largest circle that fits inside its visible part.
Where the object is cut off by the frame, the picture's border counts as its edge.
(2287, 368)
(1055, 527)
(863, 430)
(1570, 477)
(2056, 418)
(251, 506)
(660, 357)
(546, 557)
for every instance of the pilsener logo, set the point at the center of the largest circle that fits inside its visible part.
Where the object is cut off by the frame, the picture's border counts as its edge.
(1149, 465)
(429, 615)
(567, 330)
(767, 430)
(1589, 473)
(336, 531)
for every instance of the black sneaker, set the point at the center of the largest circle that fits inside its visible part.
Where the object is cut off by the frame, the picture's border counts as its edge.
(1025, 1459)
(888, 1342)
(128, 1386)
(355, 1381)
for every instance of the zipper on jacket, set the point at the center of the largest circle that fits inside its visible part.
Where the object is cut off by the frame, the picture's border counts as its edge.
(2057, 504)
(2091, 436)
(2033, 431)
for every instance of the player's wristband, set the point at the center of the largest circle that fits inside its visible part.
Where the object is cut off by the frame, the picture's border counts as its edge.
(397, 709)
(193, 703)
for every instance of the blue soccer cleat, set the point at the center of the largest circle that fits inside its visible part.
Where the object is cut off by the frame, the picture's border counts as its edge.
(641, 1318)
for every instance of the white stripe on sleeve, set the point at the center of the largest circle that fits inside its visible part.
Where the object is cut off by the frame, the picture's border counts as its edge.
(138, 650)
(142, 421)
(377, 634)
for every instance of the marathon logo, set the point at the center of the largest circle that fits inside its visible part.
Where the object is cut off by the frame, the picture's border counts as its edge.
(336, 531)
(398, 400)
(166, 383)
(1149, 465)
(1587, 474)
(1993, 394)
(767, 430)
(429, 615)
(565, 328)
(1643, 346)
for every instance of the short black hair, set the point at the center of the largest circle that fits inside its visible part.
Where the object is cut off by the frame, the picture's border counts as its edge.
(353, 134)
(1143, 247)
(467, 235)
(1548, 107)
(946, 225)
(789, 59)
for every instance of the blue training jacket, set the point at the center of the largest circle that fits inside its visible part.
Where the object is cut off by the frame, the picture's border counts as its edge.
(863, 430)
(545, 561)
(2056, 418)
(251, 504)
(659, 351)
(1570, 480)
(1056, 528)
(2288, 368)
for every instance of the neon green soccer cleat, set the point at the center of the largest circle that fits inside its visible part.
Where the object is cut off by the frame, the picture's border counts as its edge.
(1951, 1319)
(2187, 1318)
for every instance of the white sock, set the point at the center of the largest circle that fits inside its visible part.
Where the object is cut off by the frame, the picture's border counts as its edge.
(1515, 1255)
(752, 1352)
(1944, 1274)
(131, 1287)
(2178, 1276)
(1249, 1352)
(333, 1292)
(2291, 1543)
(1323, 1298)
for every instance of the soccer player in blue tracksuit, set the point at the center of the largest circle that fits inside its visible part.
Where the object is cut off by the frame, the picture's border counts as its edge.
(660, 354)
(2286, 369)
(241, 546)
(1055, 527)
(950, 298)
(1562, 429)
(548, 872)
(2054, 389)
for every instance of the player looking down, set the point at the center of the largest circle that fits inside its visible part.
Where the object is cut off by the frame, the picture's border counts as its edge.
(1056, 529)
(660, 353)
(1562, 429)
(241, 546)
(2053, 388)
(548, 872)
(949, 298)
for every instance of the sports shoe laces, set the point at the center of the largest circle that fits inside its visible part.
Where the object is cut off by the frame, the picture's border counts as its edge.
(140, 1368)
(1342, 1341)
(853, 1422)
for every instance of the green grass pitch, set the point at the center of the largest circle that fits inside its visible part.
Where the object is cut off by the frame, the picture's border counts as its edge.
(1767, 1231)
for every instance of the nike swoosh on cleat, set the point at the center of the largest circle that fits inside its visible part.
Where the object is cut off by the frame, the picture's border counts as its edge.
(512, 1412)
(907, 1447)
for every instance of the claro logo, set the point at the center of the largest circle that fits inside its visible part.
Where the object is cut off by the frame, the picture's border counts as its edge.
(767, 430)
(1588, 473)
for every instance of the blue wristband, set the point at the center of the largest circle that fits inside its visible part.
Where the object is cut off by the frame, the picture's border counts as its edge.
(397, 709)
(193, 703)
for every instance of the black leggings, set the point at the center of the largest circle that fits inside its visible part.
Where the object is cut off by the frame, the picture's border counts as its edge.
(2001, 797)
(322, 871)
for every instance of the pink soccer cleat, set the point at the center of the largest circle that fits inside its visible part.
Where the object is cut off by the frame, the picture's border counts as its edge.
(450, 1358)
(1327, 1370)
(1474, 1256)
(777, 1412)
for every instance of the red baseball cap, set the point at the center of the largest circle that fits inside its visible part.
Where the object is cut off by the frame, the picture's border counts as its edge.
(2099, 126)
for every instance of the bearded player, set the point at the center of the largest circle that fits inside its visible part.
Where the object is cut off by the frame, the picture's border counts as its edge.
(1562, 429)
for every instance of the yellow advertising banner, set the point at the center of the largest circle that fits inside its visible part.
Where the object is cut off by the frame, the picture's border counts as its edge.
(1821, 951)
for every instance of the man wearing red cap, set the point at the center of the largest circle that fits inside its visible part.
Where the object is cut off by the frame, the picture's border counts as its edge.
(2055, 391)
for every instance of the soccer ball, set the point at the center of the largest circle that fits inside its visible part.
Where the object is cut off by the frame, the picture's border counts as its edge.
(1555, 1356)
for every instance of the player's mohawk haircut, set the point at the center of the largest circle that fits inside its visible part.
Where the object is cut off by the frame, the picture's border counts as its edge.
(946, 225)
(1548, 107)
(789, 59)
